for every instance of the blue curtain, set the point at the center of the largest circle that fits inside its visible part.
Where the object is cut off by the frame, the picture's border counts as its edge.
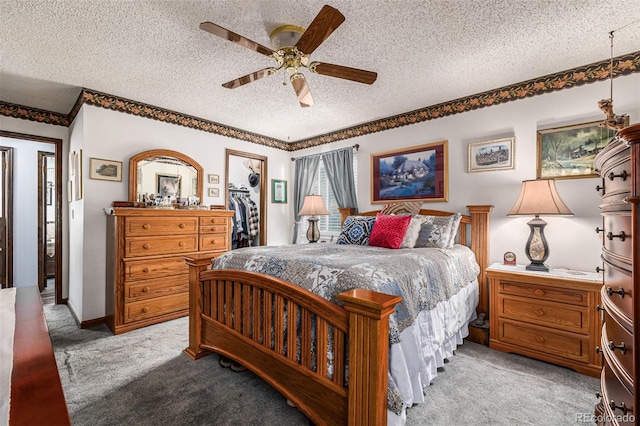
(305, 173)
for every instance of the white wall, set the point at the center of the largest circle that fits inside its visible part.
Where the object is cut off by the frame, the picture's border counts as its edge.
(573, 241)
(46, 130)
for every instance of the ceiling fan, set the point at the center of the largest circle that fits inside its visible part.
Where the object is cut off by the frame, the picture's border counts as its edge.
(295, 45)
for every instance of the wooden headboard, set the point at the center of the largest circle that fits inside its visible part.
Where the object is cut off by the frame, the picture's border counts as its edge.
(473, 232)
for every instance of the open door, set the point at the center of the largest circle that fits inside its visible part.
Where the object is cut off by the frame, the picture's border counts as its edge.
(46, 221)
(6, 223)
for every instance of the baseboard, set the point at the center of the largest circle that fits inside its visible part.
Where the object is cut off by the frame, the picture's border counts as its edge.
(92, 322)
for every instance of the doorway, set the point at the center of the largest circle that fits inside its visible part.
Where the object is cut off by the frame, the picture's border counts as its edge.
(247, 178)
(51, 158)
(46, 226)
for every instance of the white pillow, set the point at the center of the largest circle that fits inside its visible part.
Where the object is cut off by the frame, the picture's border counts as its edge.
(410, 238)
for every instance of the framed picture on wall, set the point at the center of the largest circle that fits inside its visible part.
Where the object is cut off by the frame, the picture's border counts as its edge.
(214, 192)
(278, 191)
(417, 173)
(497, 154)
(168, 185)
(567, 152)
(214, 179)
(105, 169)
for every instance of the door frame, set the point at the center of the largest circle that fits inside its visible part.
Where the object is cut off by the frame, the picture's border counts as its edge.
(42, 219)
(58, 201)
(7, 206)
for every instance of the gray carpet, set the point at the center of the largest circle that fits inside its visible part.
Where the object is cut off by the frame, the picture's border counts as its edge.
(142, 378)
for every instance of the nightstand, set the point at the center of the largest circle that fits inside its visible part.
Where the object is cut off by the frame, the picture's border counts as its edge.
(550, 316)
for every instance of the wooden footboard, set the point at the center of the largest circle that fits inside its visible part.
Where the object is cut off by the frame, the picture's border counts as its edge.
(296, 340)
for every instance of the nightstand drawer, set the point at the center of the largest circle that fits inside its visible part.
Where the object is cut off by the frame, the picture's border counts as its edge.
(566, 345)
(565, 317)
(556, 294)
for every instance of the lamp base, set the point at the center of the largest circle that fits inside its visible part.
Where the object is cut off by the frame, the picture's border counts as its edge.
(313, 233)
(537, 266)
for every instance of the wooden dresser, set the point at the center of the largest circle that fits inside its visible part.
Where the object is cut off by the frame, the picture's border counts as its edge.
(147, 278)
(619, 165)
(549, 316)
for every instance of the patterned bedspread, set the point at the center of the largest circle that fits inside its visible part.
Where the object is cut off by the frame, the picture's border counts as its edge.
(421, 276)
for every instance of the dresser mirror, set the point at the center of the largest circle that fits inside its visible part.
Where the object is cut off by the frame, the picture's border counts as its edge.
(166, 173)
(246, 181)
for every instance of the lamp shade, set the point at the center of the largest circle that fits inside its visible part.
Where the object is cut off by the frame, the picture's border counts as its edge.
(313, 206)
(539, 197)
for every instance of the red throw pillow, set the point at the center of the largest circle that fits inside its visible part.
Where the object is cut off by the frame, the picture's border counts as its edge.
(388, 231)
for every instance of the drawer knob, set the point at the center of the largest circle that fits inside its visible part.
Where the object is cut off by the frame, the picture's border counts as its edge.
(539, 312)
(620, 292)
(145, 289)
(624, 175)
(539, 339)
(598, 350)
(146, 226)
(182, 226)
(539, 292)
(621, 235)
(145, 270)
(600, 188)
(621, 347)
(600, 308)
(599, 269)
(146, 246)
(599, 230)
(598, 394)
(620, 407)
(181, 243)
(145, 309)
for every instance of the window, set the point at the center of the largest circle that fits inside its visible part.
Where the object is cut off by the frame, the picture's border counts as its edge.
(329, 225)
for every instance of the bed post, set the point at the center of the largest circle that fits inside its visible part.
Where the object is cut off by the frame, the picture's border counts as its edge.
(345, 212)
(479, 330)
(197, 264)
(368, 354)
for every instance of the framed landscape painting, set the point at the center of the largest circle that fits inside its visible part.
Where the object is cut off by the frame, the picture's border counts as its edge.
(568, 152)
(417, 173)
(105, 169)
(497, 154)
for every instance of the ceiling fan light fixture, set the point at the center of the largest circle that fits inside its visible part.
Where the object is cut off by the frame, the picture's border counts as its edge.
(285, 36)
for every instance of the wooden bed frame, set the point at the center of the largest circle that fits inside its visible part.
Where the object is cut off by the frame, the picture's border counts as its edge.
(243, 316)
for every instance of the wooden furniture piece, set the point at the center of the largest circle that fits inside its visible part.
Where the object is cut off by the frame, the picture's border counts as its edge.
(147, 279)
(549, 316)
(619, 166)
(36, 391)
(228, 306)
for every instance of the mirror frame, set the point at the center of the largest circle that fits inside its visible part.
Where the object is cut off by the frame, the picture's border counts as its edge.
(263, 187)
(133, 169)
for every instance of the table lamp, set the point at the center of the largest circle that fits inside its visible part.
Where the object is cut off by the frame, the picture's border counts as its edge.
(538, 197)
(313, 206)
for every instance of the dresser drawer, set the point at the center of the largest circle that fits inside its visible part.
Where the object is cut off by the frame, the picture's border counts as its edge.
(154, 268)
(617, 234)
(614, 392)
(214, 221)
(566, 345)
(213, 229)
(145, 309)
(214, 242)
(139, 226)
(576, 297)
(565, 317)
(141, 246)
(615, 334)
(618, 280)
(155, 288)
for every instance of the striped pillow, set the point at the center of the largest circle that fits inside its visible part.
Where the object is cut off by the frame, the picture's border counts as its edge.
(411, 207)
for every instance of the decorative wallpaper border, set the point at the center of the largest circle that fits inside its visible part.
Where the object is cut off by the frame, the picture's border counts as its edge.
(598, 71)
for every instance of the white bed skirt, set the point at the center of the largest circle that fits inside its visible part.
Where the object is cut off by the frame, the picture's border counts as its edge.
(424, 346)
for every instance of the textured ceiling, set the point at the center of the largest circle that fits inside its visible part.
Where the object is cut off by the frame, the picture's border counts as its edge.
(424, 52)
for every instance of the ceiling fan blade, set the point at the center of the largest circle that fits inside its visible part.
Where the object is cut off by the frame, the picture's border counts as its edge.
(235, 38)
(249, 78)
(301, 87)
(320, 29)
(347, 73)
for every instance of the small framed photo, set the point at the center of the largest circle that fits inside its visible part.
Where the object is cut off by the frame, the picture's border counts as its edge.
(497, 154)
(168, 185)
(214, 179)
(105, 169)
(278, 191)
(568, 152)
(214, 192)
